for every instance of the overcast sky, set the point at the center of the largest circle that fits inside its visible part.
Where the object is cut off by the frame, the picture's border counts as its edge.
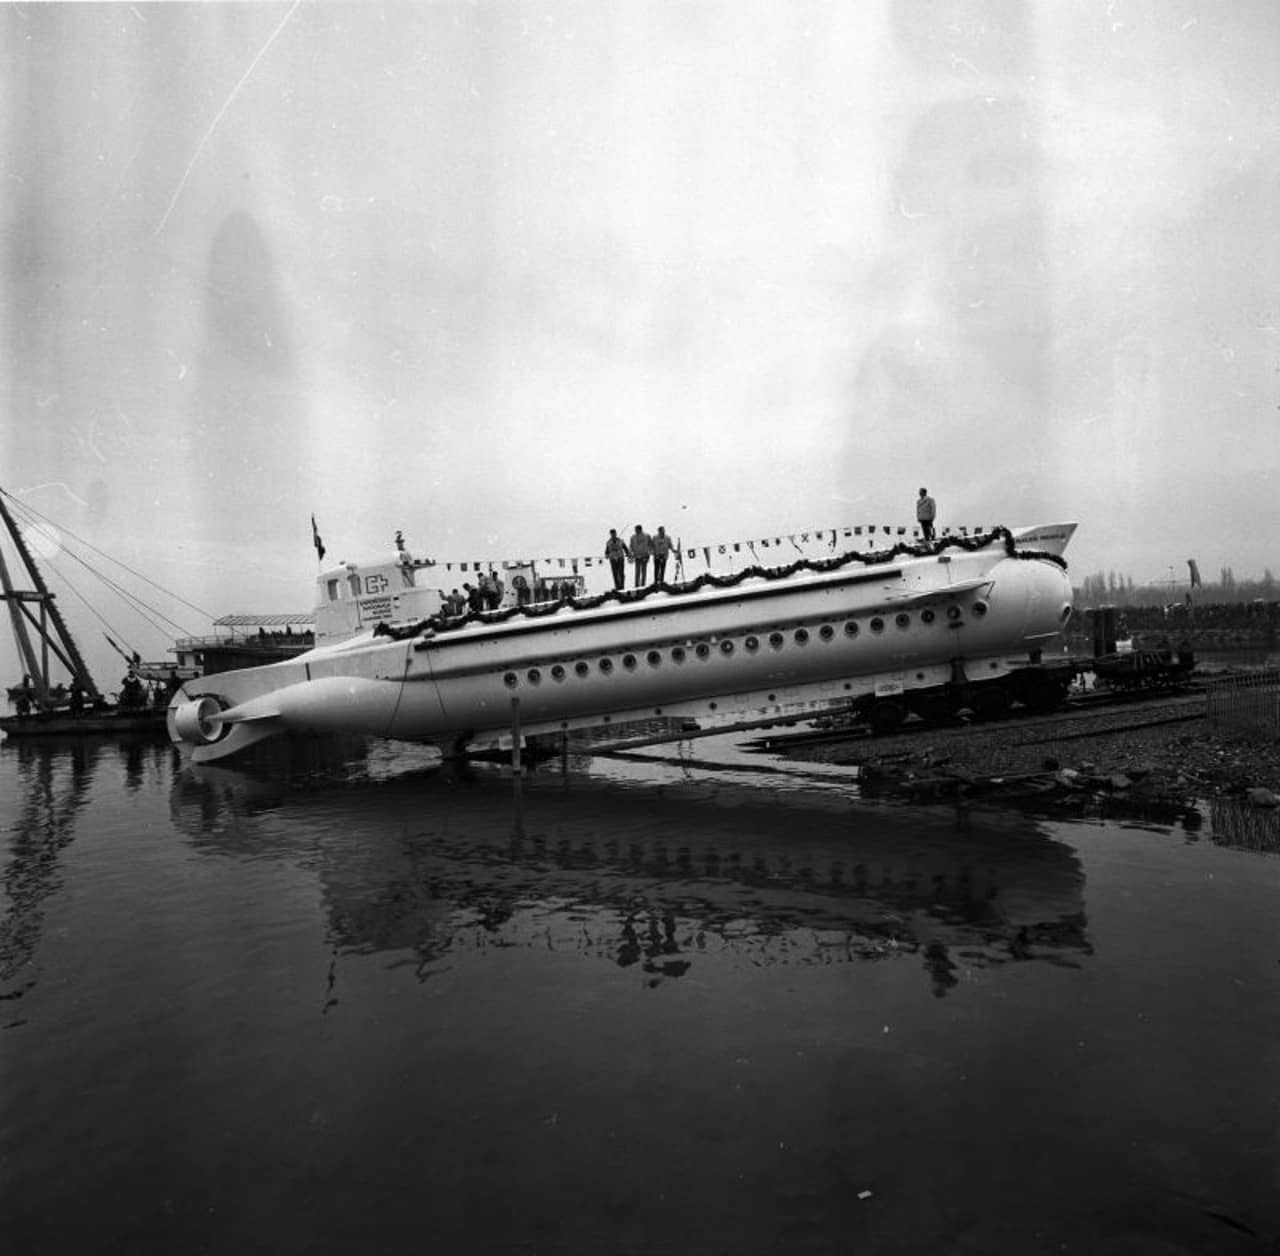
(506, 275)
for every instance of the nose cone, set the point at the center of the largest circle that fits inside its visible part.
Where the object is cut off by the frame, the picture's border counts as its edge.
(1049, 603)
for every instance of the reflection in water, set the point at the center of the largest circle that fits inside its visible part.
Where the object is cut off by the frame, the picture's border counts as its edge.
(54, 782)
(651, 876)
(1247, 828)
(53, 789)
(285, 1000)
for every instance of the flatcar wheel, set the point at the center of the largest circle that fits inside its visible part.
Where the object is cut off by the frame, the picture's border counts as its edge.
(1044, 695)
(933, 708)
(990, 701)
(887, 716)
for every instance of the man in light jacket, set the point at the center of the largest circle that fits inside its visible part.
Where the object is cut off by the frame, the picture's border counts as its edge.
(926, 510)
(641, 549)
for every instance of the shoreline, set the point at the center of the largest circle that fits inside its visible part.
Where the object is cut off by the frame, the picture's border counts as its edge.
(1173, 763)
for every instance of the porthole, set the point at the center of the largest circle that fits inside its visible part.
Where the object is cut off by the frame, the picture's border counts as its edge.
(826, 632)
(802, 636)
(629, 662)
(535, 676)
(606, 666)
(775, 640)
(581, 667)
(678, 655)
(713, 706)
(702, 650)
(902, 619)
(851, 629)
(980, 608)
(927, 616)
(752, 644)
(726, 647)
(557, 672)
(953, 612)
(654, 658)
(877, 624)
(511, 680)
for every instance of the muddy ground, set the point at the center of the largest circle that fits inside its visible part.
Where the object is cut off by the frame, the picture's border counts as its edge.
(1184, 759)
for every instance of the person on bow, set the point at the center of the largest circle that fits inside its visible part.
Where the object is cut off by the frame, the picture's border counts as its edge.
(926, 512)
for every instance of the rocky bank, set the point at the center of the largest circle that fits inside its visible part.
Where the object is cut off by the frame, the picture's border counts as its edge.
(1173, 763)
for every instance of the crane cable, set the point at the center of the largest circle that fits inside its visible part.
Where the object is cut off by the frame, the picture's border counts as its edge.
(43, 525)
(124, 594)
(103, 554)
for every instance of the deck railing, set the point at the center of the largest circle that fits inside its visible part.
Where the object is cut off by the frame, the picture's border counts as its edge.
(1247, 702)
(226, 639)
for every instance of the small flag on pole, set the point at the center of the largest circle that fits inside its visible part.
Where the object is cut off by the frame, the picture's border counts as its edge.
(1195, 572)
(316, 541)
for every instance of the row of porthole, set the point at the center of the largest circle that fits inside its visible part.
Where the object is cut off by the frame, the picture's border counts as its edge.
(750, 643)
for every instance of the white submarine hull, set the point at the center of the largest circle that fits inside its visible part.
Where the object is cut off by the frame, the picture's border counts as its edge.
(858, 631)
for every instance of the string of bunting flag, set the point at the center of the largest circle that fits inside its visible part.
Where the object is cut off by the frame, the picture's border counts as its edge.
(830, 537)
(566, 594)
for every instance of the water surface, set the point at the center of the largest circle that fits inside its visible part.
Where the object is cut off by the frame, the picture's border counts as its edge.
(689, 1001)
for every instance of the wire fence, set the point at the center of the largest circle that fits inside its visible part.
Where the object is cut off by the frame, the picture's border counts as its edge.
(1247, 702)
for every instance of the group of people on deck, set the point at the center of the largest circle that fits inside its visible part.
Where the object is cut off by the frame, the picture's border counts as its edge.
(485, 595)
(637, 549)
(135, 695)
(642, 547)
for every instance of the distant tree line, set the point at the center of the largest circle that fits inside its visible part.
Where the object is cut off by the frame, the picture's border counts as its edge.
(1114, 589)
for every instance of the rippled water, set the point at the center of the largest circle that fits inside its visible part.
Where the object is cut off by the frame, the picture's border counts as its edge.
(684, 1001)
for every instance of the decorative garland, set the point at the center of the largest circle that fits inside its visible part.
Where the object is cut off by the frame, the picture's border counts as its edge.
(442, 623)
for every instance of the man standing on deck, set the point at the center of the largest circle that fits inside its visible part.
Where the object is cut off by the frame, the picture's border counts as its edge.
(661, 552)
(641, 549)
(926, 510)
(615, 550)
